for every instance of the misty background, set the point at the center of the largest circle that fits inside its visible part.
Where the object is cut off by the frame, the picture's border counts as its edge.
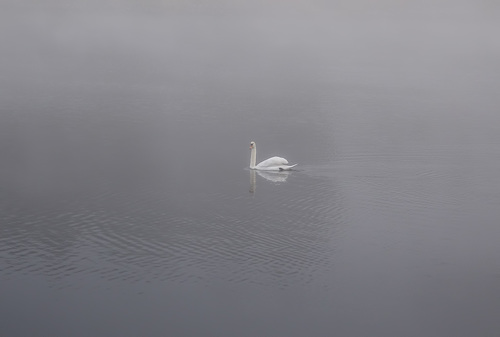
(126, 203)
(224, 61)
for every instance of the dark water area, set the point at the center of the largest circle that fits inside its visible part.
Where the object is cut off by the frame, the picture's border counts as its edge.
(127, 207)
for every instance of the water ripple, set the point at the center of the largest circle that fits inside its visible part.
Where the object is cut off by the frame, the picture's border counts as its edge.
(243, 239)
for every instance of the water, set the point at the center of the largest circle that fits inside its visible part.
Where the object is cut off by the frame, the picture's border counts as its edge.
(127, 207)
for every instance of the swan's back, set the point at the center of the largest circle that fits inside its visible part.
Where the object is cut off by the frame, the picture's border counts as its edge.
(273, 162)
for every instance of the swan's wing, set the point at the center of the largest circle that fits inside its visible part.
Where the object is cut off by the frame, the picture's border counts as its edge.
(275, 168)
(273, 161)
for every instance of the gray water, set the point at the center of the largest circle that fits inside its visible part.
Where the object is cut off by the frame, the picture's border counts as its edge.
(127, 208)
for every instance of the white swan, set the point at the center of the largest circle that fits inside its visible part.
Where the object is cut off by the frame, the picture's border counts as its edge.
(271, 164)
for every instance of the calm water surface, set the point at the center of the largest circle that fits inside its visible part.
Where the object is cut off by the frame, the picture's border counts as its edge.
(127, 208)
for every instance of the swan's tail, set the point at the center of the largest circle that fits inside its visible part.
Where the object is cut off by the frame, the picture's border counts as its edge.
(286, 167)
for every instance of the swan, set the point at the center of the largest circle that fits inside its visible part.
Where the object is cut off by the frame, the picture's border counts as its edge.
(271, 164)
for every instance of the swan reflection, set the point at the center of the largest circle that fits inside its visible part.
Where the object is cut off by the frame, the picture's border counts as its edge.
(272, 176)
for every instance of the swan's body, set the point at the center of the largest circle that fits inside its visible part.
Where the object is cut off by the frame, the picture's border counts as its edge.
(271, 164)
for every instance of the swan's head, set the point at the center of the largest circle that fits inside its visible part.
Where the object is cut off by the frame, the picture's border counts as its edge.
(252, 145)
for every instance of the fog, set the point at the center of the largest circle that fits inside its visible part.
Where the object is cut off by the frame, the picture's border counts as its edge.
(125, 40)
(253, 47)
(126, 200)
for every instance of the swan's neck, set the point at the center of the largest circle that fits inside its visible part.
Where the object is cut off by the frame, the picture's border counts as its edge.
(253, 157)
